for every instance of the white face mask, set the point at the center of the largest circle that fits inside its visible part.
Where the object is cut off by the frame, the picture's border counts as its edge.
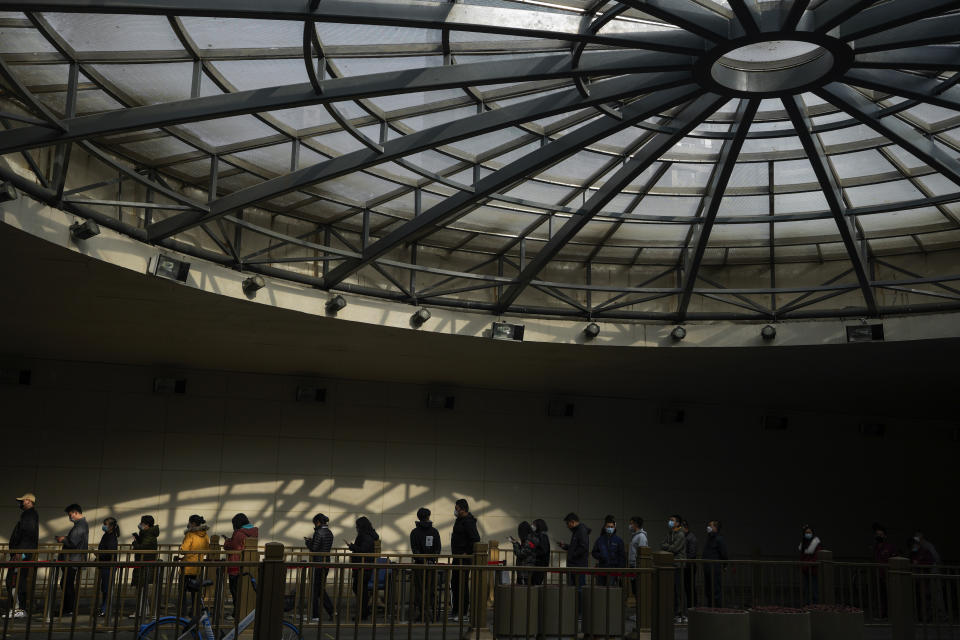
(709, 529)
(671, 523)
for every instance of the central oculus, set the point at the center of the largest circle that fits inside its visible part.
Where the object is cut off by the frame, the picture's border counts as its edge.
(772, 66)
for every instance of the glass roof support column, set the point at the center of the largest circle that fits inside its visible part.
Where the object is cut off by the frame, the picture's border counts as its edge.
(61, 158)
(713, 196)
(692, 115)
(833, 194)
(546, 156)
(686, 15)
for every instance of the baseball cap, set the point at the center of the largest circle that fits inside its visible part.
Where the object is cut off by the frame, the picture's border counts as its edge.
(27, 496)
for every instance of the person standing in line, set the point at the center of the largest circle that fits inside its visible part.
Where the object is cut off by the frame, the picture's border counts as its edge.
(25, 537)
(882, 550)
(109, 541)
(542, 555)
(195, 540)
(321, 542)
(690, 568)
(638, 540)
(524, 550)
(242, 529)
(809, 547)
(609, 552)
(462, 540)
(577, 552)
(364, 543)
(715, 548)
(424, 540)
(676, 543)
(77, 539)
(929, 599)
(145, 539)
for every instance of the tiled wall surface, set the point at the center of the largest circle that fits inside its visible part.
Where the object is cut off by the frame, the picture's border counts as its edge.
(97, 434)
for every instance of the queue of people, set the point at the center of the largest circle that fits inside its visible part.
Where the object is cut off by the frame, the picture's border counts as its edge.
(531, 549)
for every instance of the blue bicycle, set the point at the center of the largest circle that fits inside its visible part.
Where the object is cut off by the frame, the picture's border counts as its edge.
(201, 626)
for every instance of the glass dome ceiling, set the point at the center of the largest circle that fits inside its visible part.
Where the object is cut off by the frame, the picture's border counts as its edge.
(664, 159)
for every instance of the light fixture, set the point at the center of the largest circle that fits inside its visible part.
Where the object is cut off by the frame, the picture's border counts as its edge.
(7, 192)
(311, 394)
(253, 284)
(678, 333)
(335, 304)
(507, 331)
(864, 332)
(419, 317)
(169, 385)
(769, 332)
(84, 230)
(171, 268)
(591, 331)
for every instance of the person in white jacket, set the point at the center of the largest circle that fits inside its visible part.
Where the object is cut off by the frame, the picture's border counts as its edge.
(638, 538)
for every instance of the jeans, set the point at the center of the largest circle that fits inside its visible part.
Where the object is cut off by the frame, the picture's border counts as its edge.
(106, 580)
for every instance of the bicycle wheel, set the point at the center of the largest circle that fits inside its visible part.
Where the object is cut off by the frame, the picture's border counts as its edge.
(289, 632)
(168, 629)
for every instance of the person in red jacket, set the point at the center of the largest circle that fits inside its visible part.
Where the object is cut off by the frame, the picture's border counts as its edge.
(242, 529)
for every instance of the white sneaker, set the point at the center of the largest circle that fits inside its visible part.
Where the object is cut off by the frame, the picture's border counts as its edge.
(314, 619)
(677, 620)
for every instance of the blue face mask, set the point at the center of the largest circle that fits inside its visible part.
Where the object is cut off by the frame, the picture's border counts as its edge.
(103, 527)
(671, 523)
(807, 536)
(609, 530)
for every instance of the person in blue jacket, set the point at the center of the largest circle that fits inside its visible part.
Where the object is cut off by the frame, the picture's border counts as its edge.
(609, 551)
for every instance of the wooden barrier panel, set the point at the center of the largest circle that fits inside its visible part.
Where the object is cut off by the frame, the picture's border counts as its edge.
(246, 596)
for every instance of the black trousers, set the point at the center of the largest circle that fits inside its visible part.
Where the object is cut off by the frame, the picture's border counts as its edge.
(460, 587)
(424, 592)
(360, 579)
(18, 586)
(690, 584)
(713, 585)
(320, 592)
(106, 578)
(537, 577)
(69, 590)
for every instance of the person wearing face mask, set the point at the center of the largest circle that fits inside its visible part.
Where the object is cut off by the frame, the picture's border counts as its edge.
(883, 550)
(524, 550)
(242, 529)
(462, 539)
(25, 536)
(690, 569)
(145, 540)
(923, 554)
(195, 540)
(577, 550)
(364, 543)
(809, 547)
(638, 540)
(109, 541)
(609, 552)
(676, 543)
(715, 548)
(77, 539)
(321, 542)
(542, 554)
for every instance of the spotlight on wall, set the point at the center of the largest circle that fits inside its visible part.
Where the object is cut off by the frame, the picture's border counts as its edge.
(7, 192)
(253, 284)
(311, 394)
(336, 304)
(84, 230)
(419, 317)
(864, 332)
(507, 331)
(769, 332)
(169, 385)
(591, 331)
(678, 333)
(170, 268)
(441, 400)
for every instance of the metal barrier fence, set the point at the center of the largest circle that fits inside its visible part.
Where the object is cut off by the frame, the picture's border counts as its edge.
(299, 594)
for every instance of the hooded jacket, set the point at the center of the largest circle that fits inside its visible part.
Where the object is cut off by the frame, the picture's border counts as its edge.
(425, 539)
(194, 539)
(108, 542)
(26, 533)
(464, 535)
(364, 543)
(542, 552)
(78, 538)
(235, 543)
(579, 546)
(608, 551)
(639, 540)
(146, 539)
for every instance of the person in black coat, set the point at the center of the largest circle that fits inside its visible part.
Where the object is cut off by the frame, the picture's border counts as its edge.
(320, 542)
(424, 540)
(464, 536)
(578, 548)
(25, 536)
(542, 552)
(108, 542)
(363, 544)
(715, 548)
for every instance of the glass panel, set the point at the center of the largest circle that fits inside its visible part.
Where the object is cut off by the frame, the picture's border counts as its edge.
(112, 32)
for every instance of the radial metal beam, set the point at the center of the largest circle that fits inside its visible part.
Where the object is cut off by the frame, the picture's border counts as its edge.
(928, 90)
(893, 129)
(832, 193)
(713, 196)
(513, 173)
(692, 115)
(401, 13)
(447, 133)
(911, 32)
(687, 15)
(830, 14)
(891, 14)
(747, 15)
(337, 89)
(929, 58)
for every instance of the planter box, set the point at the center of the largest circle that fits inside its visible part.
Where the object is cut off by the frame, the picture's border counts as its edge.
(516, 611)
(718, 624)
(835, 623)
(558, 610)
(602, 611)
(779, 624)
